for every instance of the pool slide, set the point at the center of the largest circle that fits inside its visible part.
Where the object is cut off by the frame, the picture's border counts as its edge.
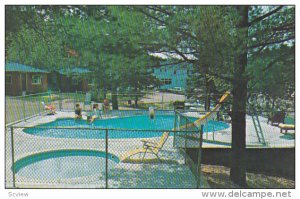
(159, 144)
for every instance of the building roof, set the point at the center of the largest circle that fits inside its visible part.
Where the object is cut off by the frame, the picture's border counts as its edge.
(73, 70)
(16, 67)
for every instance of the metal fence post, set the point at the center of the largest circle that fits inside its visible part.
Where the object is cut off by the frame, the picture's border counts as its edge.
(199, 158)
(213, 131)
(39, 105)
(24, 112)
(185, 141)
(206, 130)
(13, 156)
(106, 158)
(49, 95)
(175, 128)
(60, 100)
(75, 95)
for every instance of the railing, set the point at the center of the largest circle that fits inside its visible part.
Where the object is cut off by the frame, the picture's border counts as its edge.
(21, 108)
(264, 131)
(93, 158)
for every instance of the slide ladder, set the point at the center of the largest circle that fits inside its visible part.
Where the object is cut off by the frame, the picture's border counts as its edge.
(258, 129)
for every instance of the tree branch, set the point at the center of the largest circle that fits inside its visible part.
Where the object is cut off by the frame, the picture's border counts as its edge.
(258, 19)
(271, 42)
(151, 16)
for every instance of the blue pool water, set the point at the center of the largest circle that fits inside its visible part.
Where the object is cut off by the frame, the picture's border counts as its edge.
(60, 164)
(141, 122)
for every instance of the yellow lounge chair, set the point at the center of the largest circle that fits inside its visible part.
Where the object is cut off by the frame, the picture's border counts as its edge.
(155, 147)
(148, 147)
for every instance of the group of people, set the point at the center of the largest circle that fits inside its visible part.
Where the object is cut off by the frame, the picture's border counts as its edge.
(95, 113)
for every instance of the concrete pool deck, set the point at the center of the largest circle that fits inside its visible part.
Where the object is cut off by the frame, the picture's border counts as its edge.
(127, 175)
(171, 173)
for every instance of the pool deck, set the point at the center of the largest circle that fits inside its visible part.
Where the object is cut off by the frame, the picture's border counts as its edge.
(129, 175)
(171, 173)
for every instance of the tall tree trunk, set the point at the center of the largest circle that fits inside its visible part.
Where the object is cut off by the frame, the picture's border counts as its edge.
(207, 92)
(238, 166)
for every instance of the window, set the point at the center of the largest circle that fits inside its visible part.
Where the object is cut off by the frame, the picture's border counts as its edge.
(166, 81)
(8, 79)
(36, 79)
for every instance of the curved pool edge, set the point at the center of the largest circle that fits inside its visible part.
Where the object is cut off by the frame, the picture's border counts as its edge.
(31, 182)
(44, 155)
(218, 126)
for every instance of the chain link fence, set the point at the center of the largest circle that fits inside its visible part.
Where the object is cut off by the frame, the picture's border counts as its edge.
(133, 159)
(92, 156)
(23, 107)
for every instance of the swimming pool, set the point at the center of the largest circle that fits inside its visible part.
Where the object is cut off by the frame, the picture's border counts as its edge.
(140, 122)
(63, 164)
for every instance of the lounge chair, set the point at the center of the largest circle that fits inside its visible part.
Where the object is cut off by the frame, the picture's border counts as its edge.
(148, 147)
(49, 108)
(286, 127)
(155, 147)
(276, 118)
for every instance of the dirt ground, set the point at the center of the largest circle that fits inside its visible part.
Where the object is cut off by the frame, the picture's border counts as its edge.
(218, 177)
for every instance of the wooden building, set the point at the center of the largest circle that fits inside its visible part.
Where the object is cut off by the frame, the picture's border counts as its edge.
(20, 78)
(69, 79)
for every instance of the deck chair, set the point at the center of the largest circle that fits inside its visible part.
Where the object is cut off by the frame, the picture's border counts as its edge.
(49, 108)
(148, 147)
(276, 118)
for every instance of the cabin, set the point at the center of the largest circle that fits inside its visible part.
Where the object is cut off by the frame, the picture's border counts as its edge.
(20, 78)
(69, 79)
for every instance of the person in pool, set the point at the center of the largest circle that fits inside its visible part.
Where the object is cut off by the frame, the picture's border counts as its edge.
(78, 112)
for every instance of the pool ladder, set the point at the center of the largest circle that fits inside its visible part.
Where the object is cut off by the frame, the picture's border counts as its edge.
(258, 129)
